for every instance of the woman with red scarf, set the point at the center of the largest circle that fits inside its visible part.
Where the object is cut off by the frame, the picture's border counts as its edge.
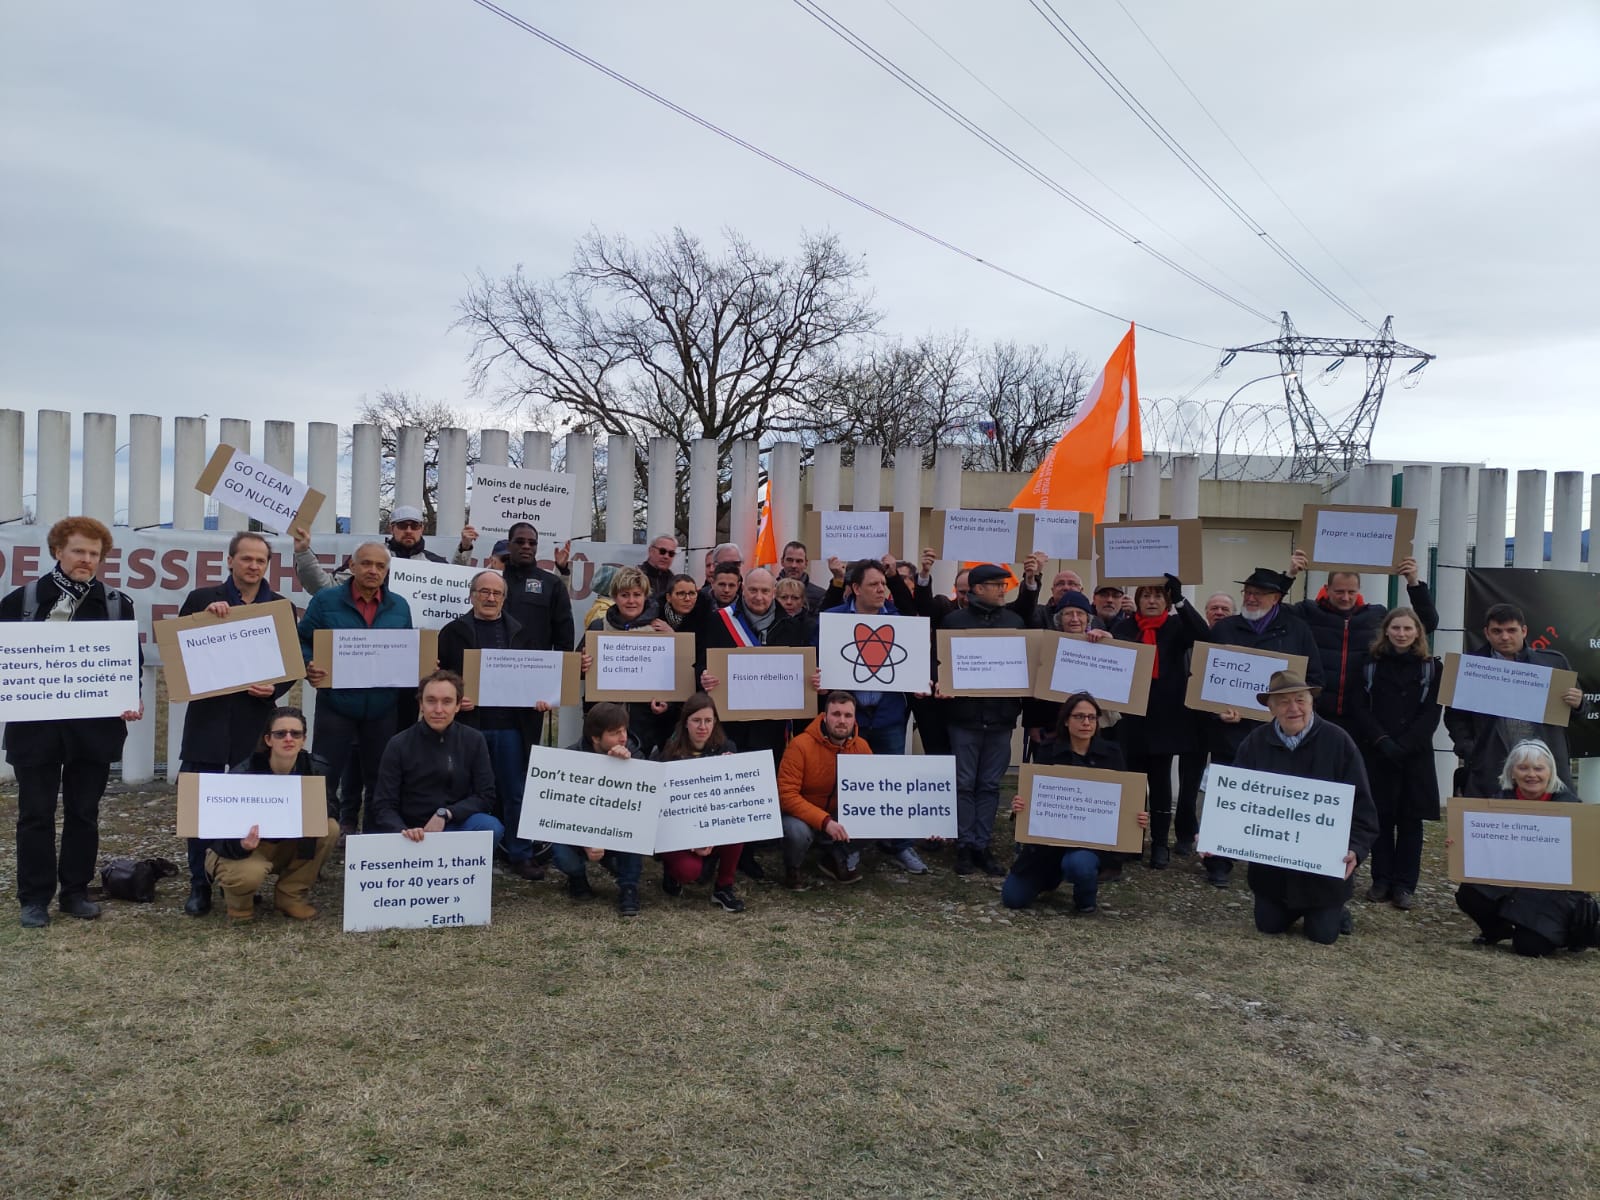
(1162, 618)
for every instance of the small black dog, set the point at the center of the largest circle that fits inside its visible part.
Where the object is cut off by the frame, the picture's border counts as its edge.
(134, 879)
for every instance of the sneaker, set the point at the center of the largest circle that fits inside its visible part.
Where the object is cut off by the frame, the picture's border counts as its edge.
(670, 884)
(910, 862)
(964, 861)
(578, 887)
(794, 881)
(1378, 893)
(986, 863)
(831, 865)
(1086, 910)
(1401, 899)
(848, 874)
(727, 900)
(34, 916)
(76, 904)
(1160, 856)
(628, 900)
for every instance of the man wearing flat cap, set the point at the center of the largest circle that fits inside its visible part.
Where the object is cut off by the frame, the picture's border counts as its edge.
(980, 727)
(1263, 622)
(1298, 742)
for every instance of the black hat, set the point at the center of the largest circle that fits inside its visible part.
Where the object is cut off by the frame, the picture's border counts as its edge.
(1267, 580)
(987, 573)
(1072, 599)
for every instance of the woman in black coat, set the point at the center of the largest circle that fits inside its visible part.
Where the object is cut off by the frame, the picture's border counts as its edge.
(1393, 719)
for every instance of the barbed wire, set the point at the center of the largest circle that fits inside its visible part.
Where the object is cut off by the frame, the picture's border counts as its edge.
(1253, 442)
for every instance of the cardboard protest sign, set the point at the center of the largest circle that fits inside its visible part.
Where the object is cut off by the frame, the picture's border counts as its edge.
(1068, 535)
(763, 683)
(640, 666)
(437, 593)
(522, 678)
(505, 496)
(986, 662)
(1502, 687)
(1224, 677)
(897, 795)
(364, 658)
(61, 670)
(999, 536)
(852, 535)
(1524, 843)
(249, 485)
(226, 806)
(1277, 820)
(577, 798)
(879, 653)
(719, 801)
(202, 655)
(1354, 537)
(1081, 806)
(1137, 552)
(441, 882)
(1115, 673)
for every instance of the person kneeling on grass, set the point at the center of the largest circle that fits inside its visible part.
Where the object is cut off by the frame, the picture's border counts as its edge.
(808, 793)
(436, 777)
(239, 866)
(1539, 921)
(1077, 743)
(1297, 742)
(699, 734)
(605, 731)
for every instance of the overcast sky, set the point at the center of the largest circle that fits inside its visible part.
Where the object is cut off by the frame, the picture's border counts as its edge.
(260, 209)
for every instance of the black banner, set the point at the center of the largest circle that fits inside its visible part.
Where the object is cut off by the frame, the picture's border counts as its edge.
(1563, 611)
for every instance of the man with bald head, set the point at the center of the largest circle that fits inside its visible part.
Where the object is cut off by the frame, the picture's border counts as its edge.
(754, 618)
(1066, 580)
(353, 720)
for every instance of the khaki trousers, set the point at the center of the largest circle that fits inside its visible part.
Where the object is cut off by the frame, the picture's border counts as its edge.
(241, 878)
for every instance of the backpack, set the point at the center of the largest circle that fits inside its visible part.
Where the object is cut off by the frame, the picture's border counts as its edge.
(118, 606)
(1371, 672)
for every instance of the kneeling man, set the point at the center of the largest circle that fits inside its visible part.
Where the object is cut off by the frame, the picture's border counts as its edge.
(1298, 742)
(436, 777)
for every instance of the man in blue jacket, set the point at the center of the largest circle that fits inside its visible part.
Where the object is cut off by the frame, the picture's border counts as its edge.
(354, 720)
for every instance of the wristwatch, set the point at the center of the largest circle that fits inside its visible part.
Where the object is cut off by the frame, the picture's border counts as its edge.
(443, 814)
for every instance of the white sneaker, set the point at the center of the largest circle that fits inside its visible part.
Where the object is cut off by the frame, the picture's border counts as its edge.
(909, 860)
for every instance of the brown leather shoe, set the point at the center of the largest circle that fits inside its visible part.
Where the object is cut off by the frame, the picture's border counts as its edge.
(299, 910)
(793, 880)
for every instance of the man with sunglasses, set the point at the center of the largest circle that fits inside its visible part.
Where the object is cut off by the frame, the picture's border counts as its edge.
(536, 599)
(405, 541)
(659, 566)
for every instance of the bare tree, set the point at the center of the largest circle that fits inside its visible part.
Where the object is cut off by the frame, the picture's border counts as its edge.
(1024, 399)
(393, 411)
(897, 396)
(668, 340)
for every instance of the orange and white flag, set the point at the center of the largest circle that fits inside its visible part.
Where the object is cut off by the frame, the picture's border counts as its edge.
(1103, 433)
(766, 539)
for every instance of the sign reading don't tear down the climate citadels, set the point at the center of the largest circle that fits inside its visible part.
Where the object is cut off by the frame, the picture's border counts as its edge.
(897, 796)
(578, 798)
(391, 882)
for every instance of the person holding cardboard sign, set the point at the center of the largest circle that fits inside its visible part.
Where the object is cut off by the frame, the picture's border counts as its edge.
(1297, 742)
(808, 793)
(241, 865)
(605, 732)
(220, 730)
(66, 760)
(1538, 921)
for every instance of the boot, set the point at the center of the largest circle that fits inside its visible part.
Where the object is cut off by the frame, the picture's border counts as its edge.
(76, 904)
(199, 902)
(293, 907)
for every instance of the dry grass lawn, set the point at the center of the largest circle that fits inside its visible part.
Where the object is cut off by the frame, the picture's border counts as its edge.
(902, 1037)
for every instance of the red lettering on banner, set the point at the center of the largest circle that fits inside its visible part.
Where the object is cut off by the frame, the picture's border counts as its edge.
(111, 569)
(209, 568)
(140, 575)
(175, 568)
(25, 564)
(280, 574)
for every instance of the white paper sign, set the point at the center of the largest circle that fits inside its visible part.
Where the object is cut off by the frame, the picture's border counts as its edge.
(216, 657)
(1055, 534)
(977, 535)
(718, 802)
(765, 681)
(873, 653)
(503, 496)
(519, 678)
(250, 486)
(1501, 687)
(897, 795)
(1075, 810)
(1355, 537)
(1236, 679)
(854, 535)
(1278, 820)
(643, 664)
(368, 658)
(438, 593)
(61, 670)
(1516, 846)
(577, 798)
(230, 804)
(437, 883)
(990, 662)
(1105, 672)
(1140, 551)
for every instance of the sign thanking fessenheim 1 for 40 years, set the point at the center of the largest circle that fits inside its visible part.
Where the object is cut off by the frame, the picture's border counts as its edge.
(391, 882)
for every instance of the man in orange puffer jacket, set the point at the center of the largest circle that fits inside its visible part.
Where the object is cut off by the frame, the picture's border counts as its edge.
(808, 792)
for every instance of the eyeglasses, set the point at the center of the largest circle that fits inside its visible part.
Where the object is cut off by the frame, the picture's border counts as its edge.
(486, 593)
(664, 552)
(286, 735)
(533, 541)
(1084, 717)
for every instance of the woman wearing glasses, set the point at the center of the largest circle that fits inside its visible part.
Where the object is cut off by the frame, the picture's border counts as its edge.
(239, 866)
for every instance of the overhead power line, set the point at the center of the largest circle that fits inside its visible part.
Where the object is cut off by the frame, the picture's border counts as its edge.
(854, 40)
(1058, 24)
(801, 173)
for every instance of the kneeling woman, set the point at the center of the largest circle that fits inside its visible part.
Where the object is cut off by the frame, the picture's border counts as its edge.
(1538, 921)
(1077, 743)
(241, 865)
(699, 734)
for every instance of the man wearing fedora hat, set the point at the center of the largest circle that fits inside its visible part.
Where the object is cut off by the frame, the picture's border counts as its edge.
(1298, 742)
(1263, 622)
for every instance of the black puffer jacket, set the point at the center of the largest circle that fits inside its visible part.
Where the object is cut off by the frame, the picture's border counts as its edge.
(1343, 639)
(1393, 720)
(1285, 633)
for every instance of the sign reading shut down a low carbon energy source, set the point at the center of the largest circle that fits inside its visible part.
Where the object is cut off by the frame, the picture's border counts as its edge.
(1277, 820)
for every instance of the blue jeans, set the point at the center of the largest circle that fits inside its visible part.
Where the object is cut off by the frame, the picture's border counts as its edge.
(572, 862)
(509, 761)
(1080, 868)
(982, 756)
(477, 822)
(890, 739)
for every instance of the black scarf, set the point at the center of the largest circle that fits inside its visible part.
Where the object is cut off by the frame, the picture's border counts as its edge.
(70, 587)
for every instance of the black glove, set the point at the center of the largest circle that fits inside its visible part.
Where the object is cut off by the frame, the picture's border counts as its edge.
(1391, 749)
(1174, 589)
